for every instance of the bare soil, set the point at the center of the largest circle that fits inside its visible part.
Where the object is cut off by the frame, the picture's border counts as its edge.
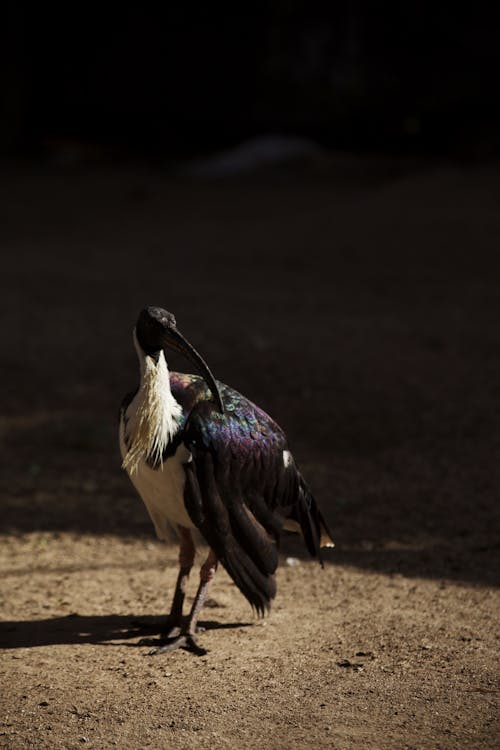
(359, 304)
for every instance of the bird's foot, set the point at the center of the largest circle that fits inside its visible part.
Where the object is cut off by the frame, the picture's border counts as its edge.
(182, 640)
(174, 634)
(167, 627)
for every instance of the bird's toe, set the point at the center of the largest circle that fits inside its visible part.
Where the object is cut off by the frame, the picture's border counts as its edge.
(184, 640)
(192, 645)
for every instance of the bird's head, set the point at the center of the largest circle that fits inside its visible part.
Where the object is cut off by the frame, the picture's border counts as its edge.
(156, 331)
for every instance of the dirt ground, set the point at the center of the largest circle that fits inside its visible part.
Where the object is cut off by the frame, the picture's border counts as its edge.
(358, 302)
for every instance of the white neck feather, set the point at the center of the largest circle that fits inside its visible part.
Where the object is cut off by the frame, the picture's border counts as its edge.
(154, 414)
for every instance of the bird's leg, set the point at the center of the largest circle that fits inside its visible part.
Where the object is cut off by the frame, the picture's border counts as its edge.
(186, 637)
(172, 625)
(207, 574)
(186, 560)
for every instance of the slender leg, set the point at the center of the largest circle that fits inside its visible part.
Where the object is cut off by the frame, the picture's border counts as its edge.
(172, 625)
(186, 637)
(186, 560)
(207, 574)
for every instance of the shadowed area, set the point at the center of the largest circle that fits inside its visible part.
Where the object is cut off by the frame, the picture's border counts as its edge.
(102, 630)
(357, 304)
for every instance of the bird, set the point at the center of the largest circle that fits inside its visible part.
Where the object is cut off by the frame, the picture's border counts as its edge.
(210, 466)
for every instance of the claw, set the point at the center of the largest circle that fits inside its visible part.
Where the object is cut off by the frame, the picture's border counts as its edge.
(184, 640)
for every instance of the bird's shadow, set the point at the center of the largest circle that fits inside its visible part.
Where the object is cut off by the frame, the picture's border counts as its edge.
(105, 630)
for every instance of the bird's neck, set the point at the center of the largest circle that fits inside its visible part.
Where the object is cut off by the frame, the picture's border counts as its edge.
(153, 416)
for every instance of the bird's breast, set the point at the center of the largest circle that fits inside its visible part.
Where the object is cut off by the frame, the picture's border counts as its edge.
(162, 489)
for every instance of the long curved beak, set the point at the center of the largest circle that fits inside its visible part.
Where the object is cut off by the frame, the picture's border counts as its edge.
(172, 339)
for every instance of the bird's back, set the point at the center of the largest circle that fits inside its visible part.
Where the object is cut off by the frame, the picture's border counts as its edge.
(243, 486)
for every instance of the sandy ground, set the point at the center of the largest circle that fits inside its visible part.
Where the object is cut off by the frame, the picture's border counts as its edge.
(359, 305)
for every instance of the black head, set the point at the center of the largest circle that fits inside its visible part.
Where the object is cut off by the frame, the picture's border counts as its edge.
(156, 329)
(151, 326)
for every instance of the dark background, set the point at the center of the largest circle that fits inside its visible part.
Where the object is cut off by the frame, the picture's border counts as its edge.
(354, 295)
(188, 77)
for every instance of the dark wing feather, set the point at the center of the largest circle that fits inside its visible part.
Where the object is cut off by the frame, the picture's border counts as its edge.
(238, 491)
(217, 524)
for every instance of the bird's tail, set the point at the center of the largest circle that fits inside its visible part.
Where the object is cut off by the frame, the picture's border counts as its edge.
(309, 518)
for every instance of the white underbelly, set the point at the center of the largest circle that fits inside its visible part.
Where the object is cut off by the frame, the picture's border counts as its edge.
(162, 491)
